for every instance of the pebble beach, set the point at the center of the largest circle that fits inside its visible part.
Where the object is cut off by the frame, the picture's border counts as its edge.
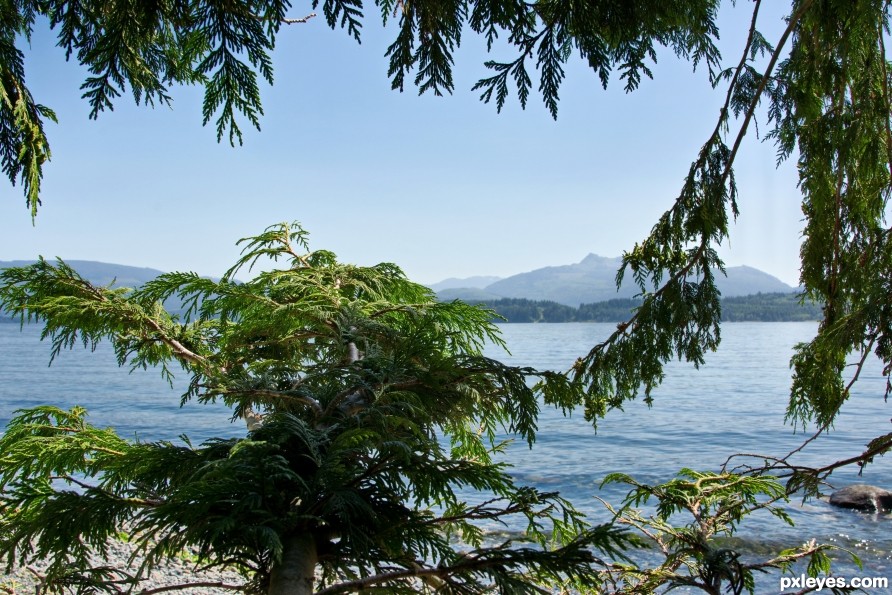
(176, 572)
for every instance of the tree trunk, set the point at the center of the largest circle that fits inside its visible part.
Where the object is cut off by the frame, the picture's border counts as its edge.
(295, 574)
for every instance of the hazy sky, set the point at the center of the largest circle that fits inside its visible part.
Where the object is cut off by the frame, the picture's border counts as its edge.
(441, 186)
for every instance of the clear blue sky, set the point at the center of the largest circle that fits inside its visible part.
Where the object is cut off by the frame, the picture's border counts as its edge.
(444, 187)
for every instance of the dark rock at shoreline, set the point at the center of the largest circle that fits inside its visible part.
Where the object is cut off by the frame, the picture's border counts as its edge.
(864, 498)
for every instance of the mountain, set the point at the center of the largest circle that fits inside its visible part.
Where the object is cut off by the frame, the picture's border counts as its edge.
(590, 280)
(593, 280)
(744, 280)
(100, 273)
(466, 283)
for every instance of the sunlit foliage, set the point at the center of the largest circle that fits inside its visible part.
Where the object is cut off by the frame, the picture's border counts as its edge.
(371, 415)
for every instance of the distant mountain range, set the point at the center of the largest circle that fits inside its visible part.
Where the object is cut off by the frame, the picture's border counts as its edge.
(588, 281)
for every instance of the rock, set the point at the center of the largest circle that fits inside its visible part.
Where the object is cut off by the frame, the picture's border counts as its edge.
(862, 497)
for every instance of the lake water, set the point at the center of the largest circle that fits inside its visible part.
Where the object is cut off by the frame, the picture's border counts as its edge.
(735, 403)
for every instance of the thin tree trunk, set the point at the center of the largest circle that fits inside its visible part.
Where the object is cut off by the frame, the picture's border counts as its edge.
(295, 574)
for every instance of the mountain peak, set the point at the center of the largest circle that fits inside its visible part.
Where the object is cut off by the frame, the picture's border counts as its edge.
(593, 260)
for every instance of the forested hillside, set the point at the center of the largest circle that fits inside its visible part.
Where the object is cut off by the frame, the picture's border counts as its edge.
(762, 307)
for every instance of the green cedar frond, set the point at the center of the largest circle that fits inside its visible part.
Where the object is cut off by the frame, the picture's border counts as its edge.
(75, 311)
(232, 31)
(439, 28)
(550, 54)
(402, 52)
(24, 147)
(346, 14)
(275, 242)
(832, 107)
(498, 83)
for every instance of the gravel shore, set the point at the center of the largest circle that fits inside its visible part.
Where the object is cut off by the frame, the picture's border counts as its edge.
(175, 572)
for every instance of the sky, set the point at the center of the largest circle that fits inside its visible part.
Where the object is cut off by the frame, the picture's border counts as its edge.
(442, 186)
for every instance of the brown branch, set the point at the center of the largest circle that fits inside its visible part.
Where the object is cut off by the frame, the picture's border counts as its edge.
(399, 308)
(310, 401)
(178, 347)
(830, 309)
(285, 239)
(396, 386)
(418, 571)
(87, 486)
(283, 20)
(733, 84)
(782, 560)
(210, 584)
(867, 454)
(748, 468)
(37, 575)
(372, 471)
(483, 511)
(271, 394)
(820, 472)
(181, 350)
(338, 399)
(794, 21)
(301, 20)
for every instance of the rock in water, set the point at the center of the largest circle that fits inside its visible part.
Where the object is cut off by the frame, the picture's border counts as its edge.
(862, 497)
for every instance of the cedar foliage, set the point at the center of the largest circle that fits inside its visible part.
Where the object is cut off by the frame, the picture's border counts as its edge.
(371, 413)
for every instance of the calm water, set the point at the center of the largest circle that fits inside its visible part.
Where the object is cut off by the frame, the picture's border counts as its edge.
(735, 403)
